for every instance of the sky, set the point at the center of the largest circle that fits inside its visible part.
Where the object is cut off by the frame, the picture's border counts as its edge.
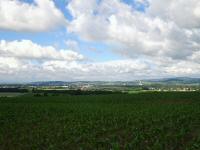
(98, 40)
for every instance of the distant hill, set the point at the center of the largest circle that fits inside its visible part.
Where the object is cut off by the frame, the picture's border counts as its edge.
(170, 81)
(78, 83)
(48, 83)
(177, 80)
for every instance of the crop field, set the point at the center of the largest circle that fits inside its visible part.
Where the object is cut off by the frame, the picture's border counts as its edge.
(140, 121)
(10, 94)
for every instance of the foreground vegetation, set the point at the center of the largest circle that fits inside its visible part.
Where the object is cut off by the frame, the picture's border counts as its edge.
(142, 121)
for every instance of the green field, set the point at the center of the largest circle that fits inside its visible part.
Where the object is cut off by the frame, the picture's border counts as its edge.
(142, 121)
(10, 94)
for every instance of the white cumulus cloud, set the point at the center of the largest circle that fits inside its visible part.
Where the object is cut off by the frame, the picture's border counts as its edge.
(26, 49)
(161, 31)
(42, 15)
(161, 41)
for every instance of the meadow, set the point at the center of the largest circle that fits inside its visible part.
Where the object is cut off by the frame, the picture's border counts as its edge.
(140, 121)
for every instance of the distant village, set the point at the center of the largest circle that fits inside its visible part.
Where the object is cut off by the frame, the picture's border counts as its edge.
(104, 86)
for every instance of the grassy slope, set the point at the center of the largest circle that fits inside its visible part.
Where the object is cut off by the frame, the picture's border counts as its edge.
(136, 121)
